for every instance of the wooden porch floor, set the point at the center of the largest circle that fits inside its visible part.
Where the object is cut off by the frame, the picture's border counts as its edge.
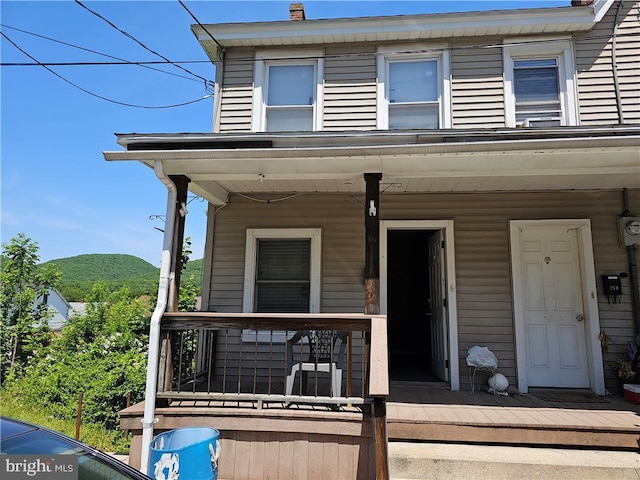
(542, 417)
(430, 412)
(315, 441)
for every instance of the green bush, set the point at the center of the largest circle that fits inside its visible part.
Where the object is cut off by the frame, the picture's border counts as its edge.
(101, 354)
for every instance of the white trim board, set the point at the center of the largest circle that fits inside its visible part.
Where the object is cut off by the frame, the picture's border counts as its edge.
(452, 310)
(589, 298)
(253, 235)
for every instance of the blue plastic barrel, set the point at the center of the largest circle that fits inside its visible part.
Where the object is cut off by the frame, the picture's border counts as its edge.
(188, 453)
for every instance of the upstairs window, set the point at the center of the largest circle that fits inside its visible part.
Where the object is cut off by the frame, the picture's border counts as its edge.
(290, 98)
(413, 88)
(539, 83)
(287, 91)
(413, 94)
(536, 90)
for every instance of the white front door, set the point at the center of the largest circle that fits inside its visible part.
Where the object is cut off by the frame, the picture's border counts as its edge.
(437, 293)
(554, 326)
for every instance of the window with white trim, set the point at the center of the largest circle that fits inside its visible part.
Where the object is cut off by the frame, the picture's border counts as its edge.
(282, 274)
(413, 88)
(287, 92)
(282, 278)
(539, 84)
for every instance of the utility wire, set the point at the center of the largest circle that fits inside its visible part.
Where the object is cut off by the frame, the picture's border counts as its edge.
(94, 64)
(202, 26)
(427, 49)
(208, 84)
(308, 57)
(95, 94)
(122, 60)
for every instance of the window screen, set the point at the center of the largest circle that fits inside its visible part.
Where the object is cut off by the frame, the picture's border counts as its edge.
(283, 276)
(536, 88)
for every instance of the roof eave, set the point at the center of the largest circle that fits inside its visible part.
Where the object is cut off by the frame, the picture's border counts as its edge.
(410, 27)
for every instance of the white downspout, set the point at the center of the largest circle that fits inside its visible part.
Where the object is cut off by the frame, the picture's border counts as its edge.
(148, 418)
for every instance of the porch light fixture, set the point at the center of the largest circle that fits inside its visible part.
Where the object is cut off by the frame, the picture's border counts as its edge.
(183, 209)
(372, 208)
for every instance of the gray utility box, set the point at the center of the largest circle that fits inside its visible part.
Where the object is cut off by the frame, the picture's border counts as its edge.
(629, 231)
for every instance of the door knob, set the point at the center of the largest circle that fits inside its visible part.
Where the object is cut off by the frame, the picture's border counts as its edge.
(580, 318)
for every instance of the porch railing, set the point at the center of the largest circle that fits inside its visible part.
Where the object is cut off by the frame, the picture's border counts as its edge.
(250, 357)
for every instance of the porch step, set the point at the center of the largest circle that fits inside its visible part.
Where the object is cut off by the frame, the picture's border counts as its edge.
(435, 461)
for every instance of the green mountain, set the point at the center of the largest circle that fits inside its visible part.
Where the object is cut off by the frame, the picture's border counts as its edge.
(193, 267)
(116, 270)
(103, 267)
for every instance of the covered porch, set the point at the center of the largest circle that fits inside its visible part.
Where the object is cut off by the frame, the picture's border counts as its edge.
(415, 182)
(313, 432)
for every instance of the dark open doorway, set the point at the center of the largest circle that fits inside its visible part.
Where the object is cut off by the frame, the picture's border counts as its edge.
(409, 306)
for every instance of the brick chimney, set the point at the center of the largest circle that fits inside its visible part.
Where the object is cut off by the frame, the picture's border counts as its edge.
(296, 11)
(581, 3)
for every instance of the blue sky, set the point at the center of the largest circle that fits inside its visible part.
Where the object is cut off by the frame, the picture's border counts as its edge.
(56, 188)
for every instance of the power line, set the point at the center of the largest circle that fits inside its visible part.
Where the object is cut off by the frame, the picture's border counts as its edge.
(93, 64)
(141, 64)
(95, 94)
(202, 26)
(303, 57)
(252, 59)
(208, 84)
(428, 49)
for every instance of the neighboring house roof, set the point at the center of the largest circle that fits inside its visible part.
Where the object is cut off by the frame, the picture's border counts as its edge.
(60, 319)
(402, 27)
(59, 308)
(78, 309)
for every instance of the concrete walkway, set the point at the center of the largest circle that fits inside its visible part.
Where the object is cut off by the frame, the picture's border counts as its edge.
(438, 461)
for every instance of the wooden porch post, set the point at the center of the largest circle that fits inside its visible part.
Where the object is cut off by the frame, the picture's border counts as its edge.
(372, 307)
(372, 245)
(182, 185)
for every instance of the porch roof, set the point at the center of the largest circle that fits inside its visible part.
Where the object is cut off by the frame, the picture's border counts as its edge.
(410, 161)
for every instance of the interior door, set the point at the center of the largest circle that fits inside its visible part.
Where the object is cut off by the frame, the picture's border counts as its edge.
(437, 296)
(553, 309)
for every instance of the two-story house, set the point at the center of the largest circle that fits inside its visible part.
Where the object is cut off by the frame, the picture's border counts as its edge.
(471, 177)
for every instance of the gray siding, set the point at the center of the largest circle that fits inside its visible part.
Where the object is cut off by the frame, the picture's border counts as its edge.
(477, 86)
(341, 289)
(477, 80)
(350, 88)
(237, 91)
(596, 90)
(485, 310)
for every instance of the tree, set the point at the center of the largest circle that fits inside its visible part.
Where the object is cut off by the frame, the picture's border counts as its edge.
(24, 326)
(190, 287)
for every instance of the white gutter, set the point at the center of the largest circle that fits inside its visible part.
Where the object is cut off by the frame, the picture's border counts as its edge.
(148, 419)
(600, 8)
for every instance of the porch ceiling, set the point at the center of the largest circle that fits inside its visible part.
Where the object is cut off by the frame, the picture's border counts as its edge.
(409, 163)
